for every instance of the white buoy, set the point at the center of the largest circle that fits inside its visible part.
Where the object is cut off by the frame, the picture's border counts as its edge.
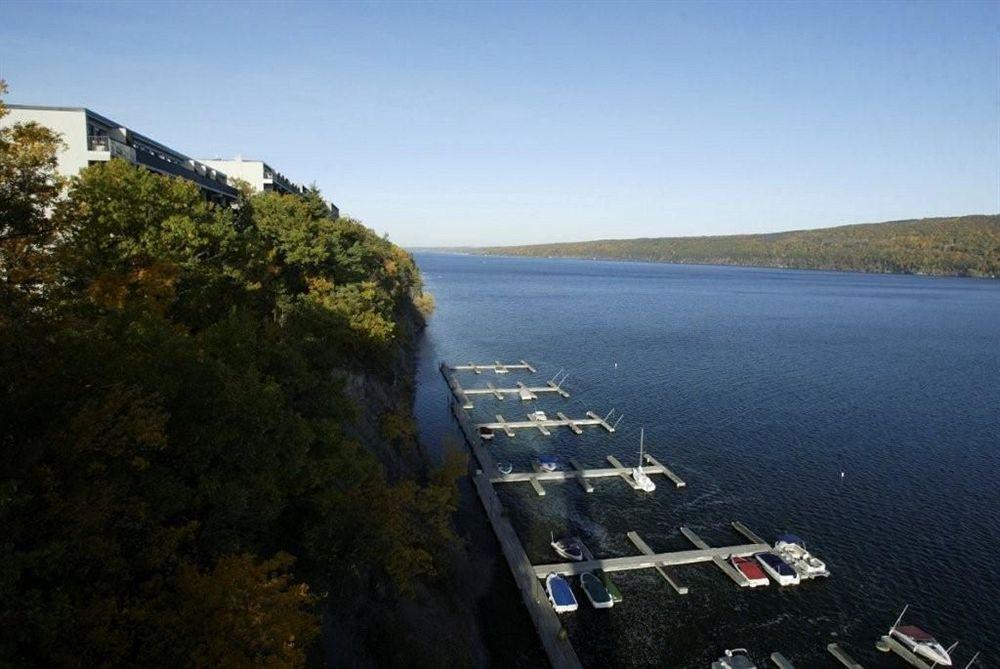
(841, 474)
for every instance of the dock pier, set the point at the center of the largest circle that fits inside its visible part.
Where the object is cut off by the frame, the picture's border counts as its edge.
(496, 367)
(646, 550)
(578, 473)
(719, 561)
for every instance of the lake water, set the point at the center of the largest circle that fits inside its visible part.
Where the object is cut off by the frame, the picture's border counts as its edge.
(758, 387)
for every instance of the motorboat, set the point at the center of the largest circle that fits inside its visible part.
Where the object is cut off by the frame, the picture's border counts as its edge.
(570, 548)
(560, 594)
(485, 433)
(537, 415)
(919, 642)
(751, 571)
(737, 658)
(505, 467)
(549, 463)
(525, 394)
(598, 595)
(792, 550)
(778, 569)
(640, 477)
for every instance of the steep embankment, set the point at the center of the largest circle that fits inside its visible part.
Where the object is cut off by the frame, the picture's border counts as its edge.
(959, 246)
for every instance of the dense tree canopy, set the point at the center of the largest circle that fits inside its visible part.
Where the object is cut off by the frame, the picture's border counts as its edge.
(173, 425)
(960, 246)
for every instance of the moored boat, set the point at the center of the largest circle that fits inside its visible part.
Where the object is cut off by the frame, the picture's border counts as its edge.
(778, 569)
(598, 595)
(537, 415)
(751, 571)
(737, 658)
(560, 594)
(919, 642)
(792, 550)
(610, 586)
(485, 433)
(570, 548)
(505, 467)
(549, 463)
(640, 477)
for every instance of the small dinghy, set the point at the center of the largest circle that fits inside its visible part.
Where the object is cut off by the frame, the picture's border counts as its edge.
(485, 433)
(751, 571)
(738, 658)
(560, 594)
(505, 467)
(598, 595)
(570, 548)
(549, 463)
(778, 569)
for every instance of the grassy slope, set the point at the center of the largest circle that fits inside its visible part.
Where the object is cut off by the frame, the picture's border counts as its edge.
(959, 246)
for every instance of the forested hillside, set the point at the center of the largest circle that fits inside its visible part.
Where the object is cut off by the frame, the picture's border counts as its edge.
(182, 481)
(961, 246)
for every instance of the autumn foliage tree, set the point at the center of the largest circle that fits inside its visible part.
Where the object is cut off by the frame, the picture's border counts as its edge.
(173, 421)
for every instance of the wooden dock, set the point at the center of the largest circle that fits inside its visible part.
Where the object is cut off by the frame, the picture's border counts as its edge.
(841, 656)
(543, 425)
(522, 391)
(646, 550)
(648, 561)
(781, 661)
(582, 474)
(719, 561)
(496, 367)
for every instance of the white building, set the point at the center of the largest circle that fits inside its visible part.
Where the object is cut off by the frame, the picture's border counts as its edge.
(90, 138)
(261, 177)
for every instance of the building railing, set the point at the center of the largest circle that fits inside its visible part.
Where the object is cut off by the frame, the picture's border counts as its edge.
(110, 145)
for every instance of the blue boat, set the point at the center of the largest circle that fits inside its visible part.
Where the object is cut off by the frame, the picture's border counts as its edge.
(560, 594)
(778, 569)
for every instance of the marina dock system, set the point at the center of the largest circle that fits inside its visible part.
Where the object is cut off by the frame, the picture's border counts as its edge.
(581, 474)
(842, 656)
(542, 424)
(497, 367)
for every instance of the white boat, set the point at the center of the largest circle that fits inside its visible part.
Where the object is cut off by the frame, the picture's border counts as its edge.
(919, 642)
(537, 415)
(778, 569)
(792, 550)
(570, 548)
(598, 595)
(640, 477)
(560, 594)
(505, 467)
(737, 658)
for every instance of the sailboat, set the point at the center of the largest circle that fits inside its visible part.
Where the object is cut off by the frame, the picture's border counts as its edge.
(640, 477)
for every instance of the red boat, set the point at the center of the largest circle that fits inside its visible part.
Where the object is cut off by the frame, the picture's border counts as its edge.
(750, 569)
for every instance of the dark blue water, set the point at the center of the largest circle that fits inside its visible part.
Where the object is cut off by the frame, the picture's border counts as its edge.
(759, 387)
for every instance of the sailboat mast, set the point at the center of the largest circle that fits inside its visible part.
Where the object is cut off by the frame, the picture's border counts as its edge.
(642, 438)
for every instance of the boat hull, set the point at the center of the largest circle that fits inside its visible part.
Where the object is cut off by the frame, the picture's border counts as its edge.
(773, 572)
(560, 594)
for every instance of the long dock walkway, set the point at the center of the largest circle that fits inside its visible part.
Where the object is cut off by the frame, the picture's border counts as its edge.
(542, 424)
(496, 367)
(581, 474)
(648, 561)
(553, 636)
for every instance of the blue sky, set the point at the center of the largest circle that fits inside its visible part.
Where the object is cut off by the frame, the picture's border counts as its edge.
(482, 123)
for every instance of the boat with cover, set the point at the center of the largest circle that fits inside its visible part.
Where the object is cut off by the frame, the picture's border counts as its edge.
(778, 569)
(505, 467)
(537, 415)
(751, 571)
(598, 595)
(792, 550)
(570, 548)
(737, 658)
(640, 477)
(549, 463)
(560, 594)
(919, 642)
(609, 585)
(485, 433)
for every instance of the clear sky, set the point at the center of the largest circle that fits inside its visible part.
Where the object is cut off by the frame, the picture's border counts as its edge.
(476, 123)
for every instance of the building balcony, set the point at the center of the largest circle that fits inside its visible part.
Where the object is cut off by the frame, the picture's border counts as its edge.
(158, 164)
(110, 146)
